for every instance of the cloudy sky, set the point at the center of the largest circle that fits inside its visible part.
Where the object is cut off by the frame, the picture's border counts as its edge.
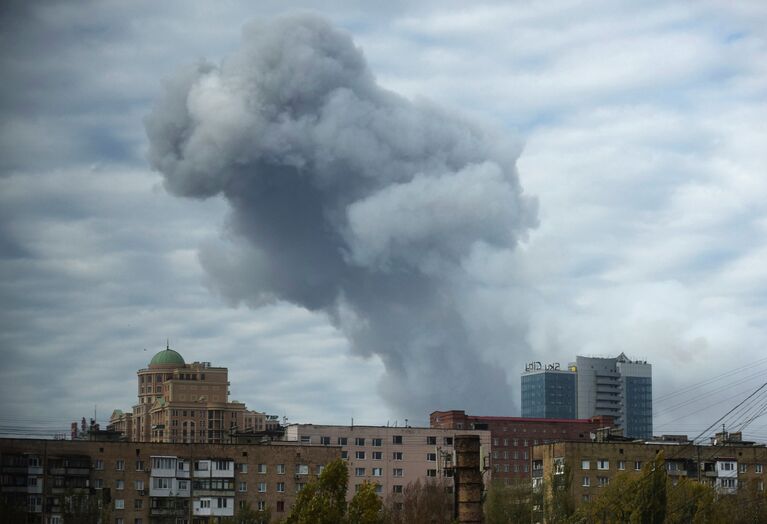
(490, 185)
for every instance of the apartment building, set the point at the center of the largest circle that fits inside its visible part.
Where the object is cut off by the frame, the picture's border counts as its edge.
(512, 438)
(594, 465)
(142, 483)
(390, 457)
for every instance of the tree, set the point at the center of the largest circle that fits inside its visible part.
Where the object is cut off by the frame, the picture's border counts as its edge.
(322, 501)
(508, 503)
(82, 507)
(366, 507)
(427, 503)
(649, 505)
(561, 505)
(690, 502)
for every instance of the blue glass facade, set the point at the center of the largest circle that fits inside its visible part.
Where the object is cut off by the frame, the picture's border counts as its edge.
(637, 407)
(549, 394)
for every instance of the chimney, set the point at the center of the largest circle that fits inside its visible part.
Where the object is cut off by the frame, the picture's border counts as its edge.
(468, 479)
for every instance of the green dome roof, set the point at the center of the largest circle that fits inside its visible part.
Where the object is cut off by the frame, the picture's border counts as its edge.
(167, 357)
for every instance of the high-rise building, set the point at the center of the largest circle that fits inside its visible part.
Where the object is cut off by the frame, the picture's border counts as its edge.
(548, 392)
(617, 387)
(180, 402)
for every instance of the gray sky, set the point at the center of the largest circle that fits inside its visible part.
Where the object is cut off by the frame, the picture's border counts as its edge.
(637, 130)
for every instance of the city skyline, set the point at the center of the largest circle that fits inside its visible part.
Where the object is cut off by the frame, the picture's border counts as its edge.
(637, 129)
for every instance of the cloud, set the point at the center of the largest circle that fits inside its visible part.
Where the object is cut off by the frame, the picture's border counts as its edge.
(349, 199)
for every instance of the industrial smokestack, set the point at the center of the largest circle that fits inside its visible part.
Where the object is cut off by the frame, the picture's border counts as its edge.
(353, 201)
(468, 479)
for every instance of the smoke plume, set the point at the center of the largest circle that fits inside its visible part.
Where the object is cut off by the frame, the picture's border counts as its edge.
(348, 199)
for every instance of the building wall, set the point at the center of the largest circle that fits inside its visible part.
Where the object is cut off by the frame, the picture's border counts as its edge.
(512, 438)
(122, 474)
(391, 457)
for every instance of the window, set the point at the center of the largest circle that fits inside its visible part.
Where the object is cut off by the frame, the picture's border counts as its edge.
(119, 504)
(377, 472)
(379, 489)
(728, 466)
(261, 505)
(302, 469)
(138, 484)
(342, 441)
(119, 484)
(495, 442)
(585, 464)
(397, 472)
(728, 483)
(637, 465)
(299, 486)
(432, 441)
(120, 465)
(359, 472)
(377, 442)
(431, 472)
(344, 454)
(377, 455)
(396, 455)
(242, 468)
(280, 469)
(603, 464)
(742, 468)
(261, 468)
(98, 483)
(306, 439)
(280, 506)
(262, 487)
(221, 502)
(603, 481)
(396, 488)
(204, 503)
(431, 457)
(138, 503)
(359, 441)
(280, 487)
(201, 466)
(99, 464)
(621, 465)
(182, 485)
(448, 441)
(360, 455)
(139, 465)
(758, 468)
(243, 487)
(160, 483)
(396, 439)
(325, 441)
(586, 482)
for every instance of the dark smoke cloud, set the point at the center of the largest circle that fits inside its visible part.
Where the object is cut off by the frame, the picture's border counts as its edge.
(347, 199)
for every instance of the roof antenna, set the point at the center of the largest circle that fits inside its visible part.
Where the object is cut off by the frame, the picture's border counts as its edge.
(167, 344)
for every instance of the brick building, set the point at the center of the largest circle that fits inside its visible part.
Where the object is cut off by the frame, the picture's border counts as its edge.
(142, 483)
(594, 465)
(390, 457)
(512, 438)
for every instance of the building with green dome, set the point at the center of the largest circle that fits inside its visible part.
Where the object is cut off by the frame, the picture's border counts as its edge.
(183, 402)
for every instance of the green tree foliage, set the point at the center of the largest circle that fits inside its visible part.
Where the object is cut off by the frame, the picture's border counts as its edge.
(508, 503)
(83, 507)
(690, 502)
(649, 504)
(366, 507)
(614, 504)
(322, 501)
(561, 505)
(424, 503)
